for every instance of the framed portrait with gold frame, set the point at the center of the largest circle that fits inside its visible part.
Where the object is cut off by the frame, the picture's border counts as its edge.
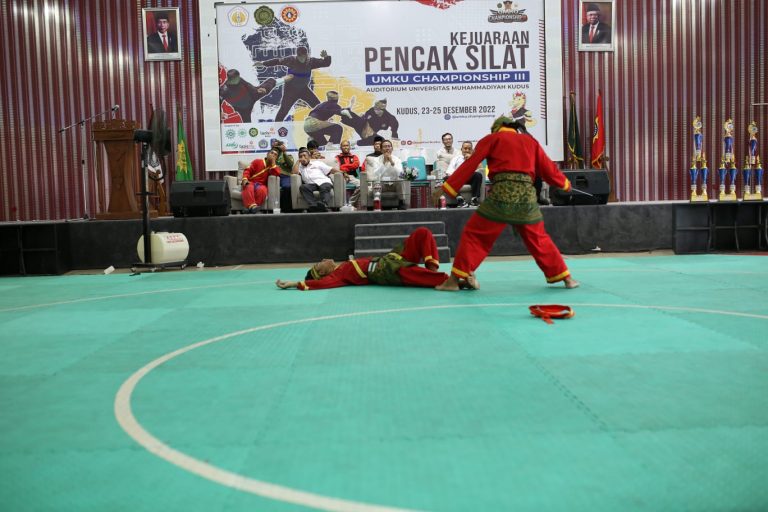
(162, 39)
(597, 30)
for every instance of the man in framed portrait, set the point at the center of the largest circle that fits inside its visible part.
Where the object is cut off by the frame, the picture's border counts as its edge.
(595, 31)
(163, 40)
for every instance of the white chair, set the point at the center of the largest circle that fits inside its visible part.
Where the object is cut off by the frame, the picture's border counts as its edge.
(389, 198)
(338, 194)
(466, 190)
(236, 193)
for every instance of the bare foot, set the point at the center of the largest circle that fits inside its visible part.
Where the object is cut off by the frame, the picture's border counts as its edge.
(472, 281)
(432, 265)
(571, 283)
(449, 285)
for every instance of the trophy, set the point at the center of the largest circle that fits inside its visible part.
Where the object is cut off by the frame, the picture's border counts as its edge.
(699, 158)
(752, 168)
(728, 165)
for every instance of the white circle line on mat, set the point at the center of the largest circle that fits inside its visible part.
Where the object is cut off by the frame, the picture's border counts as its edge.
(129, 423)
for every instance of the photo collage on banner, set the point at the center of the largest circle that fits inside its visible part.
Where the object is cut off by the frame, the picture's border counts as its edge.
(300, 72)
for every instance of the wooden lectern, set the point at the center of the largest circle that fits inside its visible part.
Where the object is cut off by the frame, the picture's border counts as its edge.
(122, 163)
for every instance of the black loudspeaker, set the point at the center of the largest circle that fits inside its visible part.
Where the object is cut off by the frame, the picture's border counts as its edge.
(592, 181)
(199, 198)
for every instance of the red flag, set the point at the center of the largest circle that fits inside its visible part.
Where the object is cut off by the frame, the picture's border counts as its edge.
(598, 136)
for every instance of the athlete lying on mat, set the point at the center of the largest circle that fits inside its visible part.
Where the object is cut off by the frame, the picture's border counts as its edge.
(400, 267)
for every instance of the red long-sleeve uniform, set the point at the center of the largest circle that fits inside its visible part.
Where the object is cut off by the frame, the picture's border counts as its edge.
(420, 245)
(255, 178)
(348, 273)
(508, 151)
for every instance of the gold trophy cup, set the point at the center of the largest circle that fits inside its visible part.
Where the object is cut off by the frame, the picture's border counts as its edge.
(753, 170)
(698, 165)
(728, 170)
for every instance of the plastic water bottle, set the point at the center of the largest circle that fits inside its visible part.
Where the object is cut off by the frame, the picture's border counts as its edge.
(276, 210)
(443, 204)
(377, 201)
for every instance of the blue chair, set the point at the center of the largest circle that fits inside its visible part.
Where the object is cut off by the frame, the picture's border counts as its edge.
(419, 163)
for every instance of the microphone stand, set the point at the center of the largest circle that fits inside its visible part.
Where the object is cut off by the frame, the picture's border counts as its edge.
(83, 153)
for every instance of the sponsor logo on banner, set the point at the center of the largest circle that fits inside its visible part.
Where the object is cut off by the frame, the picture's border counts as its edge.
(230, 134)
(238, 17)
(264, 15)
(282, 131)
(509, 12)
(253, 132)
(241, 132)
(289, 14)
(263, 144)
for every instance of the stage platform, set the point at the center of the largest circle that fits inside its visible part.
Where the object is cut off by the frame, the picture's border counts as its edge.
(57, 247)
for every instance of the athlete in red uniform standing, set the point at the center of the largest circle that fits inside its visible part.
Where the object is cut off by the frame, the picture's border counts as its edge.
(515, 160)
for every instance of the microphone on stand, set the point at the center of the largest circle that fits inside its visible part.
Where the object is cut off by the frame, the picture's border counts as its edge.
(114, 109)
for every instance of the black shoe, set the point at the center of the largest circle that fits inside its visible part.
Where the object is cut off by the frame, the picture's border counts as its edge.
(475, 201)
(461, 203)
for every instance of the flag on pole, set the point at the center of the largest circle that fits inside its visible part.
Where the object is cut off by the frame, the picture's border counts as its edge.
(183, 163)
(598, 136)
(576, 159)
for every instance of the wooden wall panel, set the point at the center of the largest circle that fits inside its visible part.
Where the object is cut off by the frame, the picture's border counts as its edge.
(64, 60)
(674, 59)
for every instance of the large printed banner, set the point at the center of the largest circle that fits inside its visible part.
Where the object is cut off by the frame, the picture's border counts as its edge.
(408, 71)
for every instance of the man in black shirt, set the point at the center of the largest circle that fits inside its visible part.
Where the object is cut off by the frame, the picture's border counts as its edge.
(369, 124)
(300, 66)
(243, 95)
(317, 125)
